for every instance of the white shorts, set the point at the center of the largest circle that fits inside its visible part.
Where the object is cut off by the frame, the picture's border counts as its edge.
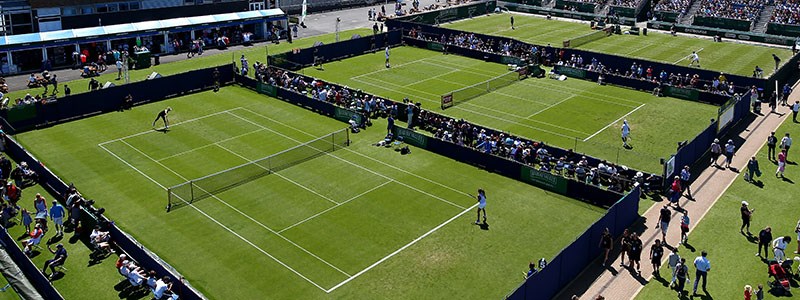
(58, 221)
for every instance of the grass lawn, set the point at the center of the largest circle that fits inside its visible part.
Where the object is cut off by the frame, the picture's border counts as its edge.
(360, 222)
(253, 54)
(572, 114)
(731, 253)
(729, 57)
(83, 276)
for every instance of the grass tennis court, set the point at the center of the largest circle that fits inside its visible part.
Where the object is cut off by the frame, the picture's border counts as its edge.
(359, 222)
(729, 57)
(572, 114)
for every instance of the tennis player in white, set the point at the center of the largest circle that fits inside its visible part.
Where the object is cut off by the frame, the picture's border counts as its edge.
(481, 206)
(695, 59)
(626, 130)
(387, 57)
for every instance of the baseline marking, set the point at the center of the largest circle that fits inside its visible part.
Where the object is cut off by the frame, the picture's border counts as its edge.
(175, 124)
(612, 123)
(685, 57)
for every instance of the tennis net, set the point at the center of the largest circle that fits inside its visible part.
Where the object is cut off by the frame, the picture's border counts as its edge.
(589, 37)
(193, 190)
(478, 89)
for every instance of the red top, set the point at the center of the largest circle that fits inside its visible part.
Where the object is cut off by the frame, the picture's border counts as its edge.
(676, 186)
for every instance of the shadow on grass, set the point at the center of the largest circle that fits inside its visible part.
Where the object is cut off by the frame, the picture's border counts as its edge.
(750, 238)
(785, 179)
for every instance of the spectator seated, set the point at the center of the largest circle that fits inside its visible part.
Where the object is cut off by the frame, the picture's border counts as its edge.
(732, 9)
(786, 12)
(23, 176)
(626, 3)
(89, 71)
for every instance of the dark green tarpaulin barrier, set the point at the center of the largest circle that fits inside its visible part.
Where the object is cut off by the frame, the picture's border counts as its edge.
(543, 180)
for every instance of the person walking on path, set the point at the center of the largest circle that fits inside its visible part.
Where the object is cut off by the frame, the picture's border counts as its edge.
(752, 170)
(625, 245)
(663, 221)
(656, 253)
(672, 261)
(684, 227)
(786, 143)
(635, 255)
(685, 177)
(606, 243)
(703, 266)
(781, 164)
(675, 192)
(716, 151)
(772, 141)
(764, 238)
(730, 148)
(747, 215)
(681, 276)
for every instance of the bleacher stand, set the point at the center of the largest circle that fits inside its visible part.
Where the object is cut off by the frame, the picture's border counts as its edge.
(732, 9)
(786, 12)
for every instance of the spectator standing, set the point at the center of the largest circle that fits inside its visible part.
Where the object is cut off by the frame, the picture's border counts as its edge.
(748, 292)
(681, 276)
(785, 94)
(772, 141)
(119, 69)
(26, 220)
(797, 230)
(779, 247)
(764, 238)
(703, 266)
(730, 148)
(675, 192)
(685, 227)
(795, 109)
(57, 213)
(752, 170)
(777, 61)
(635, 254)
(747, 215)
(656, 253)
(40, 204)
(781, 164)
(58, 259)
(512, 22)
(685, 177)
(390, 124)
(410, 114)
(716, 151)
(607, 243)
(67, 91)
(663, 221)
(786, 143)
(760, 292)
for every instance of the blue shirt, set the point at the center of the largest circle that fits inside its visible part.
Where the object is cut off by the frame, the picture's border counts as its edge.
(685, 175)
(702, 264)
(57, 211)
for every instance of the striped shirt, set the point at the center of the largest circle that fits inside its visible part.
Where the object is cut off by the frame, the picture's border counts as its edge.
(685, 175)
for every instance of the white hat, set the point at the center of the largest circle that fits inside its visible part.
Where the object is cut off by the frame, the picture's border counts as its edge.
(745, 203)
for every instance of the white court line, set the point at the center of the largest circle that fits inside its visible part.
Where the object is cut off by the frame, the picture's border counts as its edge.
(466, 210)
(176, 124)
(237, 210)
(208, 145)
(486, 115)
(362, 155)
(640, 48)
(583, 93)
(274, 173)
(551, 106)
(218, 223)
(615, 121)
(335, 206)
(369, 170)
(397, 66)
(685, 57)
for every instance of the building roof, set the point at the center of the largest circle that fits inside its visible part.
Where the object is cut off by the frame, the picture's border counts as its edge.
(90, 34)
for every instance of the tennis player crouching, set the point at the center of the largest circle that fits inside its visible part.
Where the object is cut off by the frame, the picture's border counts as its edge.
(163, 116)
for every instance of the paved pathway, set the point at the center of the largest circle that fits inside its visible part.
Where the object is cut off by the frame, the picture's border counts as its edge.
(615, 282)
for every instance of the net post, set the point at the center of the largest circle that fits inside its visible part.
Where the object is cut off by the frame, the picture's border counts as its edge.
(169, 199)
(347, 136)
(191, 191)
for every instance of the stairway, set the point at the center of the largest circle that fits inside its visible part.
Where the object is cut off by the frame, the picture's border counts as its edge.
(763, 18)
(688, 18)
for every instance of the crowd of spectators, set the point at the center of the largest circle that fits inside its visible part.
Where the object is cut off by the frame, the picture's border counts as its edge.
(625, 3)
(142, 281)
(679, 6)
(508, 47)
(717, 85)
(786, 12)
(732, 9)
(535, 154)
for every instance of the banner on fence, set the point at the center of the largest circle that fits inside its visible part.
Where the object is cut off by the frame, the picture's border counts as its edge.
(345, 115)
(411, 137)
(435, 46)
(544, 180)
(682, 93)
(571, 72)
(267, 89)
(447, 100)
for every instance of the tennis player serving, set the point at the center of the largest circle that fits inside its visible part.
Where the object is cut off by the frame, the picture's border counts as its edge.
(163, 116)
